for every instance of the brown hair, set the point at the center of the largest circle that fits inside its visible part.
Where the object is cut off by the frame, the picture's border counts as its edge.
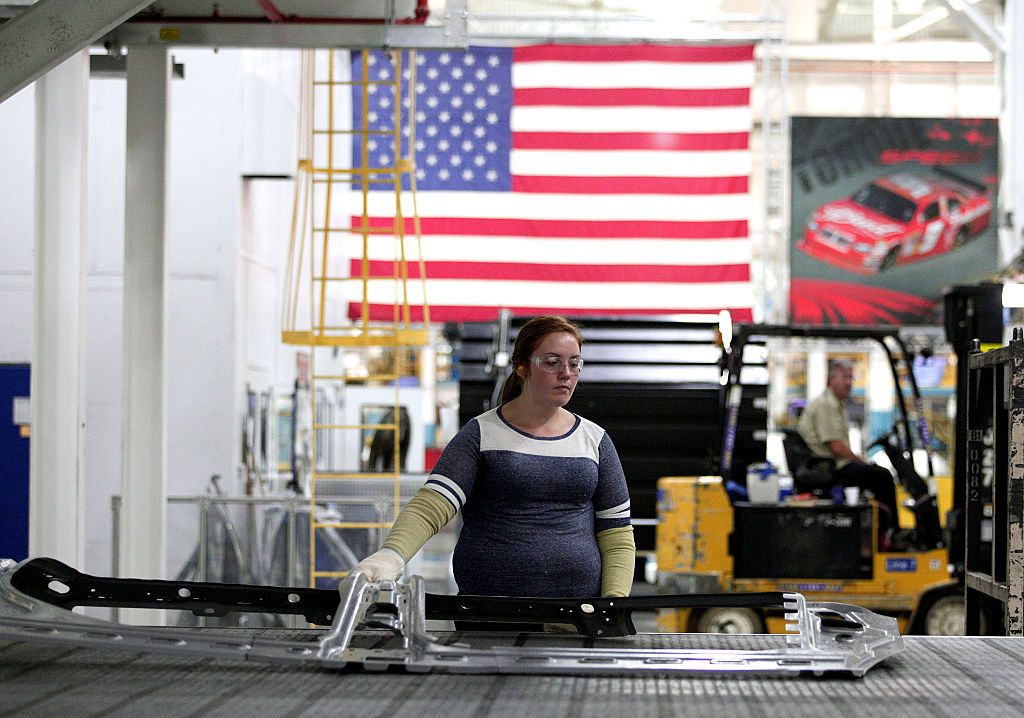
(527, 340)
(835, 365)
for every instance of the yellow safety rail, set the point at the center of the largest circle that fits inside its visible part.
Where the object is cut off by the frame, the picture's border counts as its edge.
(319, 284)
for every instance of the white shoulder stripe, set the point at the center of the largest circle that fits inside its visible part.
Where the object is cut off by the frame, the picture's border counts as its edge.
(620, 515)
(452, 487)
(446, 495)
(614, 512)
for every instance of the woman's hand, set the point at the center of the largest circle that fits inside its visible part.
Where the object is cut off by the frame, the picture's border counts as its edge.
(385, 565)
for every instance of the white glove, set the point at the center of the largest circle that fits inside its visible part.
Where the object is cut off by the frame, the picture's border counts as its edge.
(385, 565)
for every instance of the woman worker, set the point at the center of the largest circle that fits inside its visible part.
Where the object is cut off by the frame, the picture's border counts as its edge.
(543, 497)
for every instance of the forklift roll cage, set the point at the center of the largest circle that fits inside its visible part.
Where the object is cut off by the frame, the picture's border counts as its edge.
(735, 340)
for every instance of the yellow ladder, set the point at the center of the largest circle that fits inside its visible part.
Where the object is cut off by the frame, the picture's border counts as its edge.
(320, 285)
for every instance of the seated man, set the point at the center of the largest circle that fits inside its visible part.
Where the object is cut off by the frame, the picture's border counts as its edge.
(826, 430)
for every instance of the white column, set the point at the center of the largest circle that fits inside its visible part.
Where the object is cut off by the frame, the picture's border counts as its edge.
(144, 477)
(881, 394)
(428, 382)
(56, 488)
(817, 373)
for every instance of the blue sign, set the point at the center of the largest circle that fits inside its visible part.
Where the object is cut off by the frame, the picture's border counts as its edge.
(900, 565)
(14, 453)
(812, 587)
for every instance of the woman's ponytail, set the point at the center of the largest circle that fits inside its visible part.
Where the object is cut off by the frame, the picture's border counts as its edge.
(511, 388)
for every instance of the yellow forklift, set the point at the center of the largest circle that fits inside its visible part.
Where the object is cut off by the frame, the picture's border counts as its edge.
(708, 541)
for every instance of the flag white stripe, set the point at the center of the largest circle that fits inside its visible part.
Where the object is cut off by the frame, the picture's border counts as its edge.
(628, 163)
(547, 250)
(526, 293)
(630, 74)
(598, 207)
(543, 118)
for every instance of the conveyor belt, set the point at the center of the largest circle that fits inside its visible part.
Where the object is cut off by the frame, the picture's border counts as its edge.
(934, 677)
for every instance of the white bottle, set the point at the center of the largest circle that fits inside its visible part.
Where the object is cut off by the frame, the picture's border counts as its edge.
(762, 484)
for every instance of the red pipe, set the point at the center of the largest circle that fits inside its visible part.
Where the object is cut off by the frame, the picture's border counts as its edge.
(271, 10)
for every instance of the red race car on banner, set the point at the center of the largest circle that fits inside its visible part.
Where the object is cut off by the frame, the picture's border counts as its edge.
(896, 219)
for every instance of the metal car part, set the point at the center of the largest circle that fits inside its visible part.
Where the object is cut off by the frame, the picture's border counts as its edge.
(61, 585)
(826, 638)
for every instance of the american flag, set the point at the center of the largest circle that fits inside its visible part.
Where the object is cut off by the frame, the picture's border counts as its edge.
(574, 179)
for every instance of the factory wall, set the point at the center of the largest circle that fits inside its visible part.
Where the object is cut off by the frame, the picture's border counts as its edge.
(17, 178)
(222, 288)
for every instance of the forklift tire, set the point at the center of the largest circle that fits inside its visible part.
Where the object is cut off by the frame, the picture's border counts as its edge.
(947, 616)
(729, 620)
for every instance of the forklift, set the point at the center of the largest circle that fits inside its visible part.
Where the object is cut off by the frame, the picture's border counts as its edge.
(709, 539)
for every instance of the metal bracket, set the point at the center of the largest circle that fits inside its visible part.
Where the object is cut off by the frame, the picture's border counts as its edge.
(824, 637)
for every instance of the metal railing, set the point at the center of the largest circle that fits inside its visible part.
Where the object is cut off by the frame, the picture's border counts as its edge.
(251, 533)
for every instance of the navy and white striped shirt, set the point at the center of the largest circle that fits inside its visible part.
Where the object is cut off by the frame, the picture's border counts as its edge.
(531, 506)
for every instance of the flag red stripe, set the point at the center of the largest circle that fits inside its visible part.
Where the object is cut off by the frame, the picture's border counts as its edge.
(562, 272)
(449, 313)
(630, 185)
(633, 53)
(640, 229)
(630, 141)
(632, 97)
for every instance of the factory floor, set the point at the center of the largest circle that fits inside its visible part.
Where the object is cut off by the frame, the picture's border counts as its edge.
(933, 677)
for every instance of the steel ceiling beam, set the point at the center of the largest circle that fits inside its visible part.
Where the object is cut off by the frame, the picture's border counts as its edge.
(450, 32)
(970, 18)
(286, 35)
(50, 31)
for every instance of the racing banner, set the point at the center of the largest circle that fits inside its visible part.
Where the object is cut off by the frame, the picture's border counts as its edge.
(886, 212)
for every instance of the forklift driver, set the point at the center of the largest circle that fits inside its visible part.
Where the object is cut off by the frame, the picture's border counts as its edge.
(825, 428)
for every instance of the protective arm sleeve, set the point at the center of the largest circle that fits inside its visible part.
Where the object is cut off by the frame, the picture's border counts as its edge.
(426, 513)
(618, 556)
